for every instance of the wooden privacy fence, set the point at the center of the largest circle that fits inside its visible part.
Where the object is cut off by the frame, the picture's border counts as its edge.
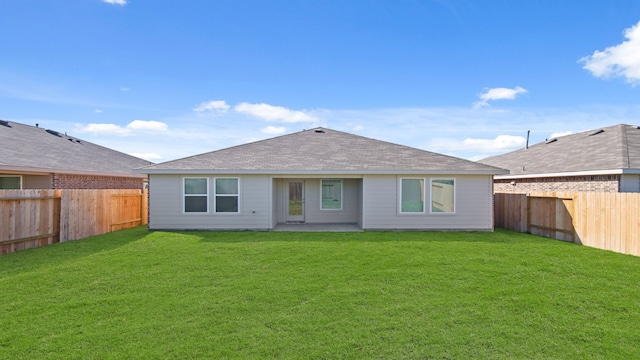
(33, 218)
(609, 221)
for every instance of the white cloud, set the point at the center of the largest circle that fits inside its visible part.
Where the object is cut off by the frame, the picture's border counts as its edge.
(147, 156)
(274, 130)
(125, 89)
(147, 125)
(500, 143)
(622, 60)
(358, 128)
(116, 2)
(558, 134)
(98, 111)
(214, 106)
(105, 129)
(498, 94)
(274, 113)
(113, 129)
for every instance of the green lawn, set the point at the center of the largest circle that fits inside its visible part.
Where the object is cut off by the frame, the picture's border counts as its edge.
(383, 295)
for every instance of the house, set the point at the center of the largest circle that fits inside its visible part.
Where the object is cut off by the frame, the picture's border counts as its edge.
(321, 176)
(38, 158)
(605, 160)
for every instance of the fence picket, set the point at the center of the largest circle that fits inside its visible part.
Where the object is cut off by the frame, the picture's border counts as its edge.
(609, 221)
(32, 218)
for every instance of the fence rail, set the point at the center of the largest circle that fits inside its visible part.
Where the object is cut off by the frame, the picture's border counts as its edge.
(609, 221)
(33, 218)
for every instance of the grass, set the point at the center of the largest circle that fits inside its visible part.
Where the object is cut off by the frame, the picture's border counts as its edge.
(139, 294)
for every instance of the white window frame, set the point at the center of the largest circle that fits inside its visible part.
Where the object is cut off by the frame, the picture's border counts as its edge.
(424, 195)
(341, 195)
(184, 195)
(13, 176)
(455, 191)
(215, 195)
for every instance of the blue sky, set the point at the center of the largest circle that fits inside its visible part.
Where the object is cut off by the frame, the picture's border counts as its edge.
(168, 79)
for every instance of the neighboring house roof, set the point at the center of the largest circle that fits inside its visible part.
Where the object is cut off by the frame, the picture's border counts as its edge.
(32, 149)
(610, 150)
(320, 151)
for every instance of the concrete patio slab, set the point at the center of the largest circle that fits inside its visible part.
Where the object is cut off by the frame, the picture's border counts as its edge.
(318, 227)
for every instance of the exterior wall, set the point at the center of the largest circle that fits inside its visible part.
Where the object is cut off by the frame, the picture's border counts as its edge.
(349, 212)
(68, 181)
(601, 183)
(166, 205)
(372, 202)
(351, 208)
(630, 183)
(473, 205)
(275, 200)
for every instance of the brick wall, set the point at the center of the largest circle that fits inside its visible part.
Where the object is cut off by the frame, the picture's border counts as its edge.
(66, 181)
(601, 183)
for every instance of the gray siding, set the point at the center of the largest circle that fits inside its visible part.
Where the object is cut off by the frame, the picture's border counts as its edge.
(630, 183)
(350, 208)
(371, 202)
(166, 205)
(279, 200)
(473, 205)
(275, 200)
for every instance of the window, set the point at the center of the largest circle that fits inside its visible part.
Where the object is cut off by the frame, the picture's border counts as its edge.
(196, 195)
(412, 195)
(442, 195)
(331, 195)
(10, 183)
(227, 195)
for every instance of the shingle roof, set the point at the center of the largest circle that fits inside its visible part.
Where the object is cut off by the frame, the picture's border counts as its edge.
(31, 148)
(611, 148)
(320, 150)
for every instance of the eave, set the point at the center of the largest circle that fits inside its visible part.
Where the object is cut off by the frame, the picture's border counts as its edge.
(571, 174)
(28, 170)
(315, 172)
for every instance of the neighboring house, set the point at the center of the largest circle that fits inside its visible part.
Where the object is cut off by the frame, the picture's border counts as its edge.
(606, 160)
(37, 158)
(321, 176)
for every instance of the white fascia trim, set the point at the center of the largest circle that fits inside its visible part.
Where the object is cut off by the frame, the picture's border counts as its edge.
(289, 173)
(566, 174)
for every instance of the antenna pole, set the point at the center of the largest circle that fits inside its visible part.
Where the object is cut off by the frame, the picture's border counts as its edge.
(528, 131)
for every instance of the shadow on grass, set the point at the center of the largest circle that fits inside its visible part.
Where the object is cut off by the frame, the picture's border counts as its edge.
(506, 237)
(59, 253)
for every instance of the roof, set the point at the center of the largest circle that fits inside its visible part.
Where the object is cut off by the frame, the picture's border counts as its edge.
(32, 149)
(610, 150)
(320, 151)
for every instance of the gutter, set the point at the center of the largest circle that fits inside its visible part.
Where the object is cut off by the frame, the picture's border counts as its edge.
(567, 174)
(46, 171)
(316, 172)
